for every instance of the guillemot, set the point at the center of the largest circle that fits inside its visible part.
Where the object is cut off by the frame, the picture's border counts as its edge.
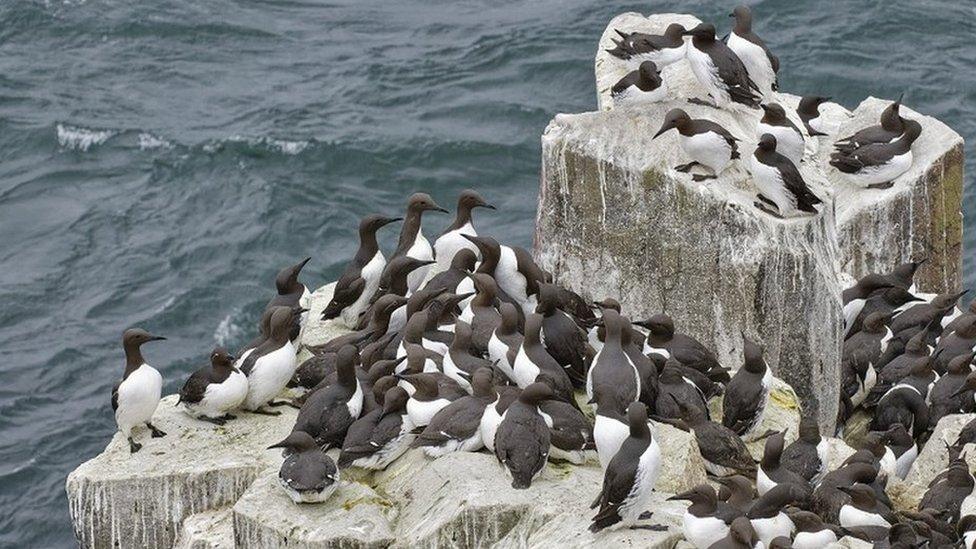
(426, 399)
(771, 471)
(493, 414)
(748, 392)
(789, 138)
(705, 142)
(719, 70)
(859, 354)
(136, 396)
(611, 370)
(723, 452)
(760, 63)
(807, 455)
(768, 514)
(481, 312)
(412, 242)
(864, 509)
(522, 439)
(307, 474)
(779, 182)
(706, 521)
(505, 341)
(379, 437)
(361, 277)
(456, 427)
(571, 435)
(855, 297)
(450, 242)
(643, 85)
(891, 127)
(533, 363)
(212, 392)
(630, 476)
(459, 364)
(660, 49)
(328, 412)
(809, 112)
(270, 367)
(561, 335)
(877, 165)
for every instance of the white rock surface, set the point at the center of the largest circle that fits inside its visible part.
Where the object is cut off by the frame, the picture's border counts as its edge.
(931, 461)
(118, 499)
(207, 530)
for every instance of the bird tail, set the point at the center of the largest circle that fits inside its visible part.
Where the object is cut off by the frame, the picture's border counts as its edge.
(844, 163)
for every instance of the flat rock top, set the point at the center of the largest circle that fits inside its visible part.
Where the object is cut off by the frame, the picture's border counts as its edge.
(190, 445)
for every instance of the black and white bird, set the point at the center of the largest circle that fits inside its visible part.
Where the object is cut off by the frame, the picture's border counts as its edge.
(877, 165)
(412, 242)
(662, 339)
(425, 400)
(705, 142)
(136, 396)
(379, 437)
(307, 475)
(522, 439)
(270, 367)
(759, 62)
(561, 335)
(571, 435)
(481, 312)
(450, 242)
(212, 392)
(361, 277)
(857, 295)
(860, 354)
(741, 536)
(747, 393)
(533, 363)
(719, 70)
(789, 138)
(772, 472)
(642, 85)
(456, 427)
(612, 372)
(630, 476)
(809, 112)
(768, 514)
(492, 417)
(506, 340)
(458, 363)
(723, 452)
(807, 455)
(329, 411)
(779, 182)
(707, 520)
(891, 126)
(864, 509)
(638, 47)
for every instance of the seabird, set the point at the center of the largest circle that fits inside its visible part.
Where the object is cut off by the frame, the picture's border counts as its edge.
(807, 455)
(395, 280)
(958, 343)
(456, 427)
(660, 49)
(270, 367)
(703, 141)
(518, 275)
(682, 347)
(459, 364)
(901, 367)
(674, 387)
(859, 355)
(706, 521)
(491, 258)
(291, 292)
(891, 127)
(632, 343)
(212, 392)
(609, 424)
(779, 182)
(855, 297)
(612, 372)
(425, 400)
(889, 301)
(738, 491)
(522, 439)
(809, 111)
(767, 514)
(450, 242)
(561, 335)
(534, 364)
(811, 531)
(772, 472)
(949, 488)
(904, 448)
(925, 317)
(135, 397)
(721, 449)
(630, 476)
(864, 509)
(328, 412)
(789, 138)
(379, 437)
(412, 242)
(361, 277)
(748, 392)
(760, 63)
(307, 474)
(719, 70)
(571, 435)
(462, 265)
(481, 313)
(877, 165)
(493, 414)
(902, 405)
(643, 85)
(506, 340)
(378, 323)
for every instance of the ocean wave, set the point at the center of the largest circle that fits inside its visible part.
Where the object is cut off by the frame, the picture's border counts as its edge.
(227, 330)
(283, 146)
(148, 141)
(78, 138)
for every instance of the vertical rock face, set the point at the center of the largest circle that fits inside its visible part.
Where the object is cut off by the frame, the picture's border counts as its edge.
(615, 219)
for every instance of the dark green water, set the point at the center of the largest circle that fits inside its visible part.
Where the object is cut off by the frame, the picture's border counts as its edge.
(160, 160)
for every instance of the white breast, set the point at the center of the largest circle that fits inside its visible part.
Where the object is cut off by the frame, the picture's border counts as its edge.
(466, 286)
(904, 462)
(636, 96)
(638, 500)
(498, 353)
(789, 143)
(489, 425)
(608, 435)
(769, 181)
(355, 403)
(422, 412)
(708, 148)
(508, 276)
(452, 371)
(662, 57)
(851, 516)
(703, 531)
(524, 371)
(763, 482)
(851, 310)
(421, 249)
(371, 274)
(755, 60)
(769, 528)
(138, 397)
(813, 540)
(269, 376)
(220, 398)
(884, 173)
(707, 75)
(450, 243)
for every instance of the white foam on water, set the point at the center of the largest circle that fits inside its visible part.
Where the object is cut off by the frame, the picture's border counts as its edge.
(148, 141)
(227, 329)
(81, 139)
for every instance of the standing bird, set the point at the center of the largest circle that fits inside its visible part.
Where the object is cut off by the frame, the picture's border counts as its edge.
(462, 265)
(771, 471)
(612, 372)
(426, 399)
(891, 127)
(328, 412)
(307, 474)
(719, 70)
(361, 277)
(768, 516)
(135, 397)
(687, 350)
(450, 242)
(522, 440)
(807, 455)
(291, 293)
(412, 242)
(809, 111)
(705, 142)
(270, 367)
(505, 341)
(779, 182)
(747, 394)
(458, 363)
(492, 417)
(856, 296)
(859, 356)
(376, 439)
(707, 520)
(534, 364)
(759, 62)
(721, 449)
(456, 427)
(212, 392)
(949, 488)
(571, 433)
(643, 85)
(630, 477)
(789, 138)
(661, 49)
(877, 165)
(481, 313)
(864, 509)
(561, 335)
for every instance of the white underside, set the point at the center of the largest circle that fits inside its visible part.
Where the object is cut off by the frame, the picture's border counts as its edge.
(490, 420)
(470, 444)
(904, 462)
(814, 540)
(371, 274)
(138, 398)
(452, 371)
(763, 482)
(775, 526)
(310, 496)
(769, 181)
(708, 148)
(757, 63)
(662, 57)
(702, 532)
(498, 353)
(525, 371)
(269, 376)
(608, 434)
(636, 96)
(707, 75)
(639, 498)
(789, 143)
(510, 279)
(421, 249)
(884, 173)
(390, 451)
(421, 412)
(449, 244)
(221, 398)
(851, 517)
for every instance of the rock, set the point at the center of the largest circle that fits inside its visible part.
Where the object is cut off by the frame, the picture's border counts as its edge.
(120, 499)
(782, 412)
(207, 530)
(857, 426)
(837, 452)
(316, 331)
(682, 467)
(919, 217)
(354, 517)
(931, 461)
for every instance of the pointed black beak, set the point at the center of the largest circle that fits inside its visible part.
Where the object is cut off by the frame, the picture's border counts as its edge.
(389, 220)
(157, 338)
(663, 129)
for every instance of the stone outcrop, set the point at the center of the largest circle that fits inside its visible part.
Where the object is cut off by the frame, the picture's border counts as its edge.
(931, 461)
(613, 209)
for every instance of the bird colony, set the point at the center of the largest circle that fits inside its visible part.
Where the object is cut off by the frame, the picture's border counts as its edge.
(467, 345)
